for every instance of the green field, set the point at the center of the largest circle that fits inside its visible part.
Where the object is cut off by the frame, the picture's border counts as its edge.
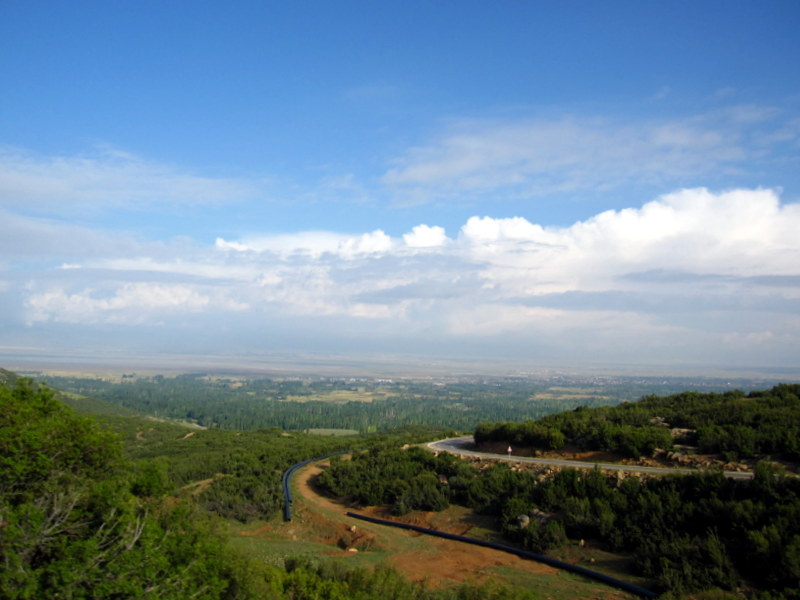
(332, 432)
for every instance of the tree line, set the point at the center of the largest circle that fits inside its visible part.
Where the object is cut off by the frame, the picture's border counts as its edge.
(734, 424)
(298, 405)
(685, 533)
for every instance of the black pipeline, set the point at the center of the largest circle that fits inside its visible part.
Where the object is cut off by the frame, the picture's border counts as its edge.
(287, 476)
(623, 585)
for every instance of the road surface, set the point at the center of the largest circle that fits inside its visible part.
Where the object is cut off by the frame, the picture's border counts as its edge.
(462, 446)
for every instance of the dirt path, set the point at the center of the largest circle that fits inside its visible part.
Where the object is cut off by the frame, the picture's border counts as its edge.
(438, 561)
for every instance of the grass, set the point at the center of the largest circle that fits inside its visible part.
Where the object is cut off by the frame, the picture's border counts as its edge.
(570, 393)
(272, 543)
(608, 563)
(337, 397)
(320, 530)
(333, 432)
(560, 586)
(563, 396)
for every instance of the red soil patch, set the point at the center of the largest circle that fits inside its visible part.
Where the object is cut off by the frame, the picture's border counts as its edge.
(440, 562)
(260, 530)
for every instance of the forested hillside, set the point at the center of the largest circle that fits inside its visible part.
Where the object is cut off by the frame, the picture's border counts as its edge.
(734, 424)
(685, 533)
(136, 507)
(78, 519)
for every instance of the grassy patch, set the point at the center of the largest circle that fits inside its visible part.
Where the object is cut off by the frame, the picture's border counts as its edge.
(595, 559)
(333, 432)
(273, 543)
(336, 397)
(570, 393)
(559, 586)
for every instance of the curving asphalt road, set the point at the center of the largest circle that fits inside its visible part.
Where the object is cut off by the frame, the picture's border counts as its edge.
(462, 447)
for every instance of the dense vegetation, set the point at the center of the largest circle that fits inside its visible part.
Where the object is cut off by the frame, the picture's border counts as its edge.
(79, 520)
(735, 424)
(238, 472)
(407, 480)
(85, 513)
(244, 468)
(364, 405)
(686, 533)
(759, 423)
(78, 523)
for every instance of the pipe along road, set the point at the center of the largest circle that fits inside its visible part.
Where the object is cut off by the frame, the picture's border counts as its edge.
(445, 445)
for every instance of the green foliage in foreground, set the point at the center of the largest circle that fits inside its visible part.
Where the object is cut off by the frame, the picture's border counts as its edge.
(72, 526)
(77, 521)
(304, 578)
(686, 533)
(737, 425)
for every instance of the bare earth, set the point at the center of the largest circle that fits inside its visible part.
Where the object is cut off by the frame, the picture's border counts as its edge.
(438, 561)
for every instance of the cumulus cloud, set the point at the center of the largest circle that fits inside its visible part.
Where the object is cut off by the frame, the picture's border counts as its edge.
(424, 236)
(312, 244)
(742, 233)
(687, 272)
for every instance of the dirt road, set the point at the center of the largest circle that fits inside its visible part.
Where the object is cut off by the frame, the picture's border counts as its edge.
(438, 561)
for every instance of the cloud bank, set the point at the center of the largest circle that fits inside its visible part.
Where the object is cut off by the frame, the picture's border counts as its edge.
(693, 275)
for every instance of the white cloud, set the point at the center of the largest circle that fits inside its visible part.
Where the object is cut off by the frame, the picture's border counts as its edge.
(313, 244)
(738, 233)
(310, 243)
(129, 304)
(376, 242)
(689, 271)
(486, 229)
(424, 236)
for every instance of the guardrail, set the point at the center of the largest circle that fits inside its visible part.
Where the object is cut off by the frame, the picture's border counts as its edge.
(623, 585)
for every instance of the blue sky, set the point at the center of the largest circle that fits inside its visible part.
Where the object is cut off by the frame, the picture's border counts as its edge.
(571, 183)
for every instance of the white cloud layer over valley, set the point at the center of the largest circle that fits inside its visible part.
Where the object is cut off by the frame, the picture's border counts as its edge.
(694, 275)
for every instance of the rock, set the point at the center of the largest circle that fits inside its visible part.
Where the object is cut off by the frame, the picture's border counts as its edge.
(540, 516)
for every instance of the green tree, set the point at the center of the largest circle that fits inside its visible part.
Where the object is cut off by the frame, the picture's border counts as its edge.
(72, 526)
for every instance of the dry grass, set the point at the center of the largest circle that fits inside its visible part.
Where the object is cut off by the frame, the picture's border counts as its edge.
(321, 528)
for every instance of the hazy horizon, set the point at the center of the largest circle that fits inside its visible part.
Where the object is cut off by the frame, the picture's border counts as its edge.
(387, 366)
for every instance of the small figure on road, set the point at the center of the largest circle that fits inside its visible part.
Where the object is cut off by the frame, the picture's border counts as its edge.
(509, 450)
